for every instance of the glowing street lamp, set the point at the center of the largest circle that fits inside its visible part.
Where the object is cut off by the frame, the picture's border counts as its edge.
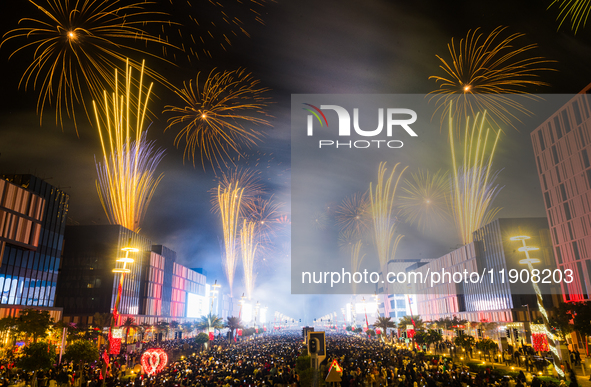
(529, 262)
(122, 270)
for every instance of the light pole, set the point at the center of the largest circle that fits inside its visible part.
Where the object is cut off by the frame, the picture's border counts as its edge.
(122, 271)
(529, 262)
(214, 293)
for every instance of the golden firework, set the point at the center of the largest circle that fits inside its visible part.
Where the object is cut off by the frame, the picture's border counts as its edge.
(249, 249)
(472, 189)
(217, 117)
(245, 178)
(229, 200)
(264, 214)
(575, 10)
(353, 214)
(126, 177)
(482, 73)
(76, 45)
(423, 198)
(382, 207)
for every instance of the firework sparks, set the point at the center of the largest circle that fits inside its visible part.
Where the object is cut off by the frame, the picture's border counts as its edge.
(480, 73)
(229, 201)
(423, 198)
(382, 207)
(353, 214)
(76, 45)
(575, 10)
(213, 25)
(126, 177)
(245, 178)
(249, 249)
(215, 114)
(264, 214)
(473, 190)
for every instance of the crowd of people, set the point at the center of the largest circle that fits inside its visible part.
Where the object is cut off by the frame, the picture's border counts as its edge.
(272, 360)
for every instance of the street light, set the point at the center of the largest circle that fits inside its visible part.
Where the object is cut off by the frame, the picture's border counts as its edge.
(122, 271)
(529, 262)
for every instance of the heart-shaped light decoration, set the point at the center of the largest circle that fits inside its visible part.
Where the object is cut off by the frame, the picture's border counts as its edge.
(154, 360)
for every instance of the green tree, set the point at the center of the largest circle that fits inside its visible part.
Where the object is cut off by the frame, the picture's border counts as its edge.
(371, 333)
(408, 320)
(210, 323)
(233, 323)
(37, 356)
(34, 323)
(561, 320)
(384, 323)
(488, 347)
(187, 327)
(201, 339)
(128, 323)
(432, 336)
(81, 351)
(465, 341)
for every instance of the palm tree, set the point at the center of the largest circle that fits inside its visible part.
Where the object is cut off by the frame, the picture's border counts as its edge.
(128, 323)
(232, 324)
(415, 321)
(384, 323)
(145, 327)
(210, 323)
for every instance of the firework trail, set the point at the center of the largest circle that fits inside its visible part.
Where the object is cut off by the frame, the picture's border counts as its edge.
(481, 74)
(249, 248)
(76, 45)
(356, 259)
(229, 200)
(575, 10)
(126, 177)
(382, 207)
(216, 117)
(473, 190)
(245, 178)
(423, 198)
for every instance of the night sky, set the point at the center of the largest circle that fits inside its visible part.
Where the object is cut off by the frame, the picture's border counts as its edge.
(304, 47)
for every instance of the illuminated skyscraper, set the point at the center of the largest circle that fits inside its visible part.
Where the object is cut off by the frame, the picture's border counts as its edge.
(562, 148)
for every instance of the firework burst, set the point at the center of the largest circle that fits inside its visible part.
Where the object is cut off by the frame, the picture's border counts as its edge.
(264, 214)
(472, 189)
(423, 198)
(248, 246)
(77, 44)
(353, 214)
(382, 207)
(575, 10)
(245, 178)
(229, 202)
(217, 116)
(482, 71)
(127, 176)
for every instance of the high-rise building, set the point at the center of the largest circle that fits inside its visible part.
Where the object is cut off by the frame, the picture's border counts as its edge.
(562, 148)
(156, 289)
(32, 221)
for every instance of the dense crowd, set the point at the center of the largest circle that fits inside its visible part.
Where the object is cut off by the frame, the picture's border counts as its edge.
(272, 360)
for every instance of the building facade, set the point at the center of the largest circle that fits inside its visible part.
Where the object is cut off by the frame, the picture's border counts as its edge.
(156, 289)
(32, 222)
(562, 148)
(494, 299)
